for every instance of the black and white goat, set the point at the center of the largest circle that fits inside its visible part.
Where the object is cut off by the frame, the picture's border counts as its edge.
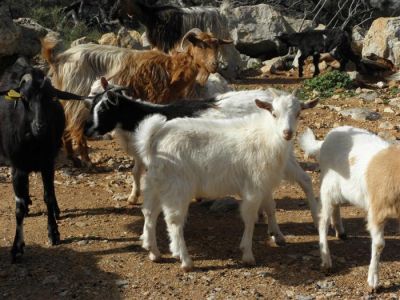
(110, 110)
(313, 42)
(31, 127)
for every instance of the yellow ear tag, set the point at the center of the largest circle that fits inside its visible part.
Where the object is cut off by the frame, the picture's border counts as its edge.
(13, 94)
(8, 98)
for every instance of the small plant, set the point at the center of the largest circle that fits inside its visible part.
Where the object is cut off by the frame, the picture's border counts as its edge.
(394, 91)
(326, 84)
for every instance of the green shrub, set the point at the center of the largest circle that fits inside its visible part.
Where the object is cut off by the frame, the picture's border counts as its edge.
(326, 84)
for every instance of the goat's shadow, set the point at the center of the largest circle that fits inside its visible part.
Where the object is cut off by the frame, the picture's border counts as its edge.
(214, 237)
(55, 272)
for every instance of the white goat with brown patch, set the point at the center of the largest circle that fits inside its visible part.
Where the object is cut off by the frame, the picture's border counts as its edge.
(360, 168)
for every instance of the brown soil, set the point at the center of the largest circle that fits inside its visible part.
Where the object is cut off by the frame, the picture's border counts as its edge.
(100, 256)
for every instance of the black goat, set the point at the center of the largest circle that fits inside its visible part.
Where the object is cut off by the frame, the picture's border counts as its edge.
(110, 110)
(166, 25)
(313, 42)
(31, 127)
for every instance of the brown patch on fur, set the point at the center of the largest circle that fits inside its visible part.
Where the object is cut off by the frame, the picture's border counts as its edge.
(383, 182)
(352, 161)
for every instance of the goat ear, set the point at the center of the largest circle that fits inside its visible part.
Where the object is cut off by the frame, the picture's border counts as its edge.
(112, 98)
(88, 102)
(224, 42)
(104, 83)
(309, 104)
(264, 105)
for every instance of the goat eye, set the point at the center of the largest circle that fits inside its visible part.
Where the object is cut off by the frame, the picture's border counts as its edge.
(274, 115)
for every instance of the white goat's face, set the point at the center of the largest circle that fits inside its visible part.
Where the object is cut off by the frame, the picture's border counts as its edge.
(286, 111)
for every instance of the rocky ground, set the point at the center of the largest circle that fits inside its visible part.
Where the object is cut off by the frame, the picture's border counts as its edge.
(100, 256)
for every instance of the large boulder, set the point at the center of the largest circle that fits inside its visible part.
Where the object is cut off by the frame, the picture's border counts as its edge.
(383, 40)
(253, 29)
(31, 33)
(9, 32)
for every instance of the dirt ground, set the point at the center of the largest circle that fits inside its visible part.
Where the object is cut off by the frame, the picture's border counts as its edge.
(100, 256)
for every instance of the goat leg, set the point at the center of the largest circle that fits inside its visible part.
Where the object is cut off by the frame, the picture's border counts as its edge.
(20, 182)
(53, 210)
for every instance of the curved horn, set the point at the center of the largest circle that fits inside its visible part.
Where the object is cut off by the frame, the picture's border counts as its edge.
(25, 78)
(193, 31)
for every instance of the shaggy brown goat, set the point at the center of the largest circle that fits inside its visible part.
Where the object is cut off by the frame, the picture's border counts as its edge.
(151, 75)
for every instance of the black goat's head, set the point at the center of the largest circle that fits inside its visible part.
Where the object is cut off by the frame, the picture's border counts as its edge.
(105, 108)
(103, 114)
(37, 93)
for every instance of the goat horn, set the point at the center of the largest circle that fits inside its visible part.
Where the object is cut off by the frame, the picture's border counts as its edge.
(25, 78)
(193, 31)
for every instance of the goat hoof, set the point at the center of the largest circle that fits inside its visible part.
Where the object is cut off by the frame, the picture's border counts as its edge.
(54, 238)
(342, 236)
(155, 257)
(187, 268)
(249, 261)
(279, 241)
(16, 252)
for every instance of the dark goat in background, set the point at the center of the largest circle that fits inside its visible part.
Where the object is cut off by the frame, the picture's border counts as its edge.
(31, 127)
(313, 42)
(166, 25)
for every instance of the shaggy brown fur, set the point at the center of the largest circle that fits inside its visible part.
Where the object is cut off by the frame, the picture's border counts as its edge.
(383, 179)
(152, 75)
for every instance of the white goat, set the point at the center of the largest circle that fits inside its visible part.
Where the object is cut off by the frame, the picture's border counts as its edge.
(231, 104)
(361, 168)
(187, 158)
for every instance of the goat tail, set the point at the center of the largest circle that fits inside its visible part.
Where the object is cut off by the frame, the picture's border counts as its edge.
(144, 136)
(394, 77)
(309, 144)
(48, 46)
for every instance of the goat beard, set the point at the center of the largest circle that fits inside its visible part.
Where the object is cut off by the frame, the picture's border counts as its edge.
(202, 76)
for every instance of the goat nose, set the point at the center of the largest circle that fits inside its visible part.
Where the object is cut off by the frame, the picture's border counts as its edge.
(287, 134)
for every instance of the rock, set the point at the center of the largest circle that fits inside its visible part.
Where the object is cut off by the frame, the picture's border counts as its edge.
(252, 39)
(10, 33)
(130, 39)
(325, 284)
(369, 96)
(303, 297)
(355, 76)
(378, 101)
(80, 224)
(388, 110)
(386, 125)
(121, 283)
(120, 197)
(387, 136)
(383, 40)
(357, 39)
(80, 41)
(395, 102)
(360, 114)
(109, 38)
(29, 41)
(253, 64)
(83, 242)
(380, 84)
(224, 205)
(273, 65)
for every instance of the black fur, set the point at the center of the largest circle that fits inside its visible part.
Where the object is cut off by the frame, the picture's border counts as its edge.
(117, 110)
(313, 42)
(31, 128)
